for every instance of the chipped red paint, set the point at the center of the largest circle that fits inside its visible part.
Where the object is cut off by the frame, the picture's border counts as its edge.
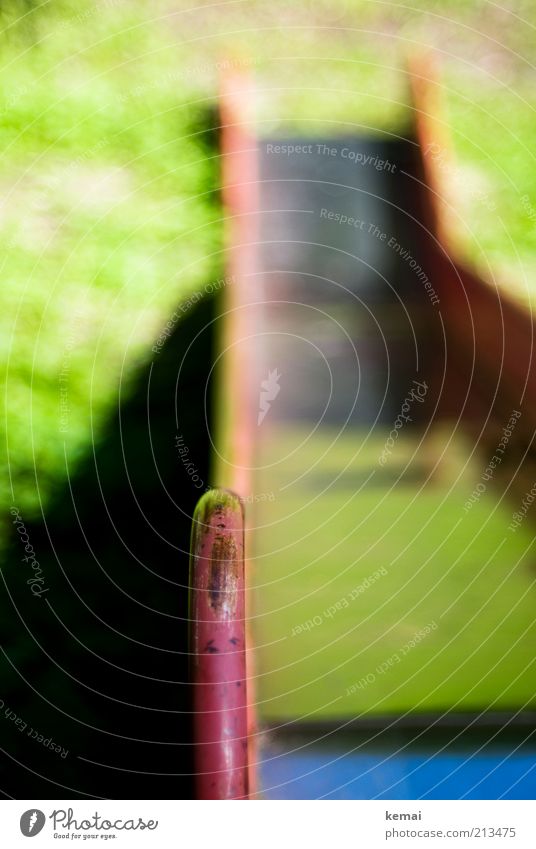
(217, 647)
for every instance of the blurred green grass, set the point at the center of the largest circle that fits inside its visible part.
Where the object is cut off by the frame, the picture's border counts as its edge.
(109, 216)
(331, 645)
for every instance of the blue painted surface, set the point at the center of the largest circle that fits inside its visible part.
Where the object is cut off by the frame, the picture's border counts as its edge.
(315, 772)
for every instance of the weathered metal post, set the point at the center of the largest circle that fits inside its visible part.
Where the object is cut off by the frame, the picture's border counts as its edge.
(217, 647)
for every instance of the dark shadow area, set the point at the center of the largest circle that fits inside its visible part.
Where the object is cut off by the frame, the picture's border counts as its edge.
(349, 298)
(97, 664)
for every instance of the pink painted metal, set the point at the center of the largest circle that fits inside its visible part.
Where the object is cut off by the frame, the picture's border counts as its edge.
(240, 190)
(238, 385)
(217, 647)
(488, 333)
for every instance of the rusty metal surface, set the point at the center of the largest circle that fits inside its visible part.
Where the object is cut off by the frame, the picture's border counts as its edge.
(234, 441)
(217, 647)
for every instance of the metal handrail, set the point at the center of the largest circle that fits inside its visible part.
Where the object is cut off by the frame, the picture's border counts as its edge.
(217, 647)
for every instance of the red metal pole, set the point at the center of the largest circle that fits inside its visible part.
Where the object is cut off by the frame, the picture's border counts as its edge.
(217, 647)
(241, 303)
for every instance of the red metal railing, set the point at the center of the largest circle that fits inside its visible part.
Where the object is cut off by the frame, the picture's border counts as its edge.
(489, 336)
(237, 389)
(217, 647)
